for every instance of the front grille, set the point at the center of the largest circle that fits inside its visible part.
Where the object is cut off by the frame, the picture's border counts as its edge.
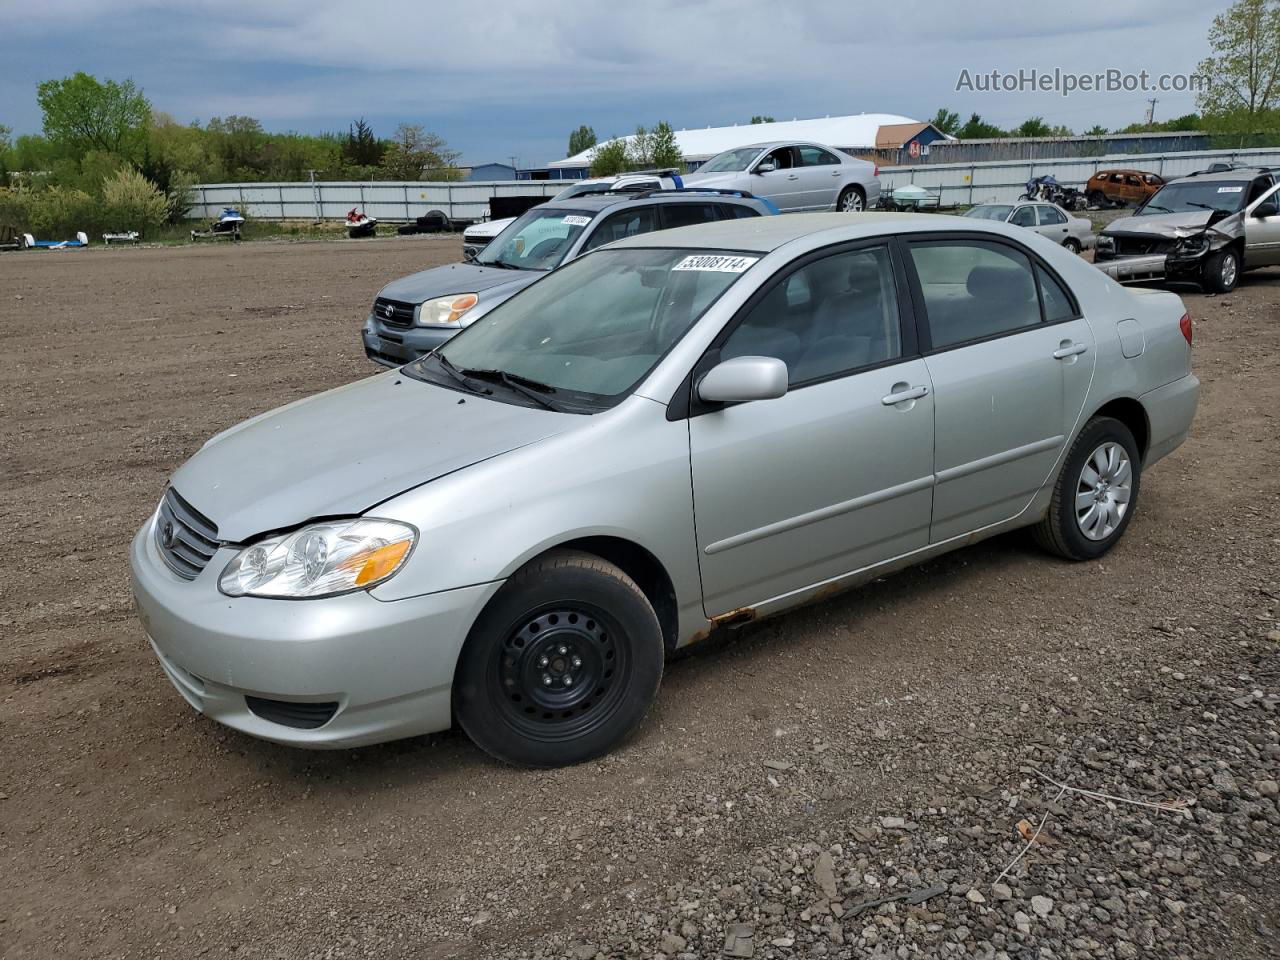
(478, 242)
(186, 539)
(302, 716)
(1141, 246)
(394, 313)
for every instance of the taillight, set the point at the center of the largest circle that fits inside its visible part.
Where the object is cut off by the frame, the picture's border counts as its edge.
(875, 169)
(1185, 326)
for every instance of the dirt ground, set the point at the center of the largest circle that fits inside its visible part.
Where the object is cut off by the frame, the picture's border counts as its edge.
(132, 827)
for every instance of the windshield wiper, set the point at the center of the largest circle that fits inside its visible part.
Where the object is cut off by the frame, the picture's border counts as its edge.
(502, 265)
(1155, 206)
(1202, 206)
(458, 375)
(533, 389)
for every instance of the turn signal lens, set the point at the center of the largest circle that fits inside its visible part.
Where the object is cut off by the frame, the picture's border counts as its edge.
(1185, 325)
(377, 564)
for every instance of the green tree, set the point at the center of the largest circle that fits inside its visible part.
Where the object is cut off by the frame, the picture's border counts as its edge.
(763, 118)
(1033, 127)
(82, 114)
(948, 121)
(976, 128)
(665, 151)
(610, 158)
(640, 150)
(1097, 130)
(1242, 75)
(361, 148)
(418, 154)
(584, 138)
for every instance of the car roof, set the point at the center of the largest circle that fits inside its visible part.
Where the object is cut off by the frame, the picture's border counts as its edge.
(595, 202)
(765, 234)
(1239, 173)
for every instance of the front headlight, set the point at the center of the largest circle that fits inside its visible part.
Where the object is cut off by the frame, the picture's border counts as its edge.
(1105, 241)
(320, 560)
(1192, 244)
(446, 311)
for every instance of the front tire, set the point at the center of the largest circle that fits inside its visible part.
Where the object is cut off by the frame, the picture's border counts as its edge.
(851, 200)
(1221, 271)
(562, 665)
(1095, 493)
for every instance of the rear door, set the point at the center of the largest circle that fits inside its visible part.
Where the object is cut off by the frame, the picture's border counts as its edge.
(685, 213)
(633, 219)
(1011, 359)
(837, 474)
(819, 176)
(1052, 222)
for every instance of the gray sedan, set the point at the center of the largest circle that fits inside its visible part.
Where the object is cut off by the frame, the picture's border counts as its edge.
(795, 177)
(832, 398)
(1047, 219)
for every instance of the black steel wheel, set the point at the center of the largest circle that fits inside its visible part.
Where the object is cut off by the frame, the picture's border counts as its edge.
(562, 665)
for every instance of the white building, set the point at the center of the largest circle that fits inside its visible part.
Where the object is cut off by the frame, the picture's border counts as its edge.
(860, 132)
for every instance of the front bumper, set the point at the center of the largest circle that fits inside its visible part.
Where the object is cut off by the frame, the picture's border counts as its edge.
(387, 665)
(396, 346)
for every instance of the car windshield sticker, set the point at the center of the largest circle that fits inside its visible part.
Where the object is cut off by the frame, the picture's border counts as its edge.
(715, 264)
(574, 220)
(1230, 189)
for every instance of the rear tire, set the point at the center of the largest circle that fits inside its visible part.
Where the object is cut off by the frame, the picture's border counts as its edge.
(1098, 199)
(1221, 271)
(1072, 244)
(851, 200)
(562, 665)
(1095, 494)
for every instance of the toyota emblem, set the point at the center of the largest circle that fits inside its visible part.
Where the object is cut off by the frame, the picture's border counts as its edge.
(388, 311)
(167, 536)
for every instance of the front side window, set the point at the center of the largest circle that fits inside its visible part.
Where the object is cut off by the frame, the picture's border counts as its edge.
(618, 226)
(1024, 217)
(538, 240)
(830, 316)
(731, 161)
(587, 333)
(974, 289)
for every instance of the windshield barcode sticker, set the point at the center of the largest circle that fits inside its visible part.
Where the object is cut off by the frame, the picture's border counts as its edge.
(574, 220)
(715, 264)
(1230, 189)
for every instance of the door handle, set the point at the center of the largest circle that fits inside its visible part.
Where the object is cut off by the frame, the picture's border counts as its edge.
(903, 392)
(793, 176)
(1069, 349)
(835, 173)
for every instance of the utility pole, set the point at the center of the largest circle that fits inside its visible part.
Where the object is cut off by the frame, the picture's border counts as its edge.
(1151, 111)
(515, 170)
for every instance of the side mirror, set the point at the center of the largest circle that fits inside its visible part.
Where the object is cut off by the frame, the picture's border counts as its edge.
(469, 253)
(1268, 209)
(744, 379)
(766, 166)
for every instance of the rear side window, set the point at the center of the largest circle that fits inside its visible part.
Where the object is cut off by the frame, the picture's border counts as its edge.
(974, 289)
(737, 211)
(1057, 305)
(1051, 215)
(627, 223)
(811, 156)
(685, 214)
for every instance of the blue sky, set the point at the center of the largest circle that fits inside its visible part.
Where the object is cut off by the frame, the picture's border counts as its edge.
(498, 79)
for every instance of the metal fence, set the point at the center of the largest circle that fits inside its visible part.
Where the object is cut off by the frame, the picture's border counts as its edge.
(1004, 181)
(385, 200)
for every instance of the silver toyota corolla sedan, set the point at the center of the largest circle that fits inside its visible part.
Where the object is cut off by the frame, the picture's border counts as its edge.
(677, 432)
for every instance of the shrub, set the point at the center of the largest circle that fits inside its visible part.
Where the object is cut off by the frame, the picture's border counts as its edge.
(132, 202)
(180, 196)
(57, 213)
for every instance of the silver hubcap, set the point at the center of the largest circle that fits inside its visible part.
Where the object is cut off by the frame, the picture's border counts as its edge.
(852, 202)
(1228, 270)
(1103, 492)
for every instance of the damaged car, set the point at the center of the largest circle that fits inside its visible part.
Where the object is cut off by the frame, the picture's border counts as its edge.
(1206, 228)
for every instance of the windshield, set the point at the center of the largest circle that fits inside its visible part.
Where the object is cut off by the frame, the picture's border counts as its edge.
(990, 211)
(1191, 196)
(538, 240)
(731, 161)
(587, 333)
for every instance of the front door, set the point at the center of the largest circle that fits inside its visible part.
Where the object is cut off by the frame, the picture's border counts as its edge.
(837, 474)
(1262, 234)
(1010, 358)
(780, 185)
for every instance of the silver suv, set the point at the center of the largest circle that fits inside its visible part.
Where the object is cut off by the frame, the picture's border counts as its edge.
(1205, 228)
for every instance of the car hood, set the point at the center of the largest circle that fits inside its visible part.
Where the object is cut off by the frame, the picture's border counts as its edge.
(1169, 225)
(341, 452)
(718, 181)
(457, 278)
